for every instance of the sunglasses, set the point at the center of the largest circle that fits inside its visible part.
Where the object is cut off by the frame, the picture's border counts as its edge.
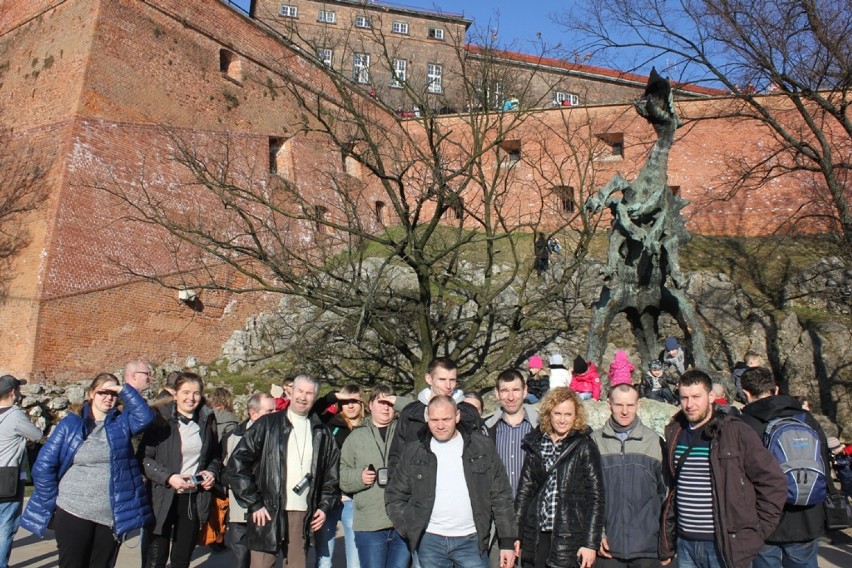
(106, 393)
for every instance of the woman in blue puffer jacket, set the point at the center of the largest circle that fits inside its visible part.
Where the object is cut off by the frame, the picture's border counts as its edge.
(87, 478)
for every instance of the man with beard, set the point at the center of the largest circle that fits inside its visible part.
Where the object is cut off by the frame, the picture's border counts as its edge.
(284, 473)
(727, 492)
(632, 460)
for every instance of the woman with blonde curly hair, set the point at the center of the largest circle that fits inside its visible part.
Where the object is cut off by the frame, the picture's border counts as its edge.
(560, 498)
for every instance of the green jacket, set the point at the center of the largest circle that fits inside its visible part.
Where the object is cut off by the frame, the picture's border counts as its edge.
(363, 447)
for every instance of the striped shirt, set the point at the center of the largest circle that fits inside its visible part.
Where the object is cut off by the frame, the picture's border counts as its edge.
(508, 439)
(694, 487)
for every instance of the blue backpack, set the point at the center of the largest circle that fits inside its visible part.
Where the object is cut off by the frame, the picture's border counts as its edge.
(797, 448)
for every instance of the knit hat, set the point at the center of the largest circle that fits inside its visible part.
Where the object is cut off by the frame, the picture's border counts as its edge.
(535, 362)
(671, 344)
(556, 359)
(833, 444)
(580, 365)
(655, 365)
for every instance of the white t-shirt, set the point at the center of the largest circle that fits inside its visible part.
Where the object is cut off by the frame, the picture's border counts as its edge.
(300, 452)
(452, 514)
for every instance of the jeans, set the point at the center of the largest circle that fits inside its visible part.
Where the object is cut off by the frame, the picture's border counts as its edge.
(585, 395)
(325, 542)
(382, 549)
(10, 512)
(451, 552)
(789, 555)
(237, 541)
(698, 554)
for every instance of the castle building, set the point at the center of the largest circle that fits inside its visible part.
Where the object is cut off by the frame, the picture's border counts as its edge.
(98, 97)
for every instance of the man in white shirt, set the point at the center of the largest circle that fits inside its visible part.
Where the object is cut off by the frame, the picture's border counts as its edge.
(445, 521)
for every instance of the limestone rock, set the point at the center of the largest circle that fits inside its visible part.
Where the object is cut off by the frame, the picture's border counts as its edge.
(58, 403)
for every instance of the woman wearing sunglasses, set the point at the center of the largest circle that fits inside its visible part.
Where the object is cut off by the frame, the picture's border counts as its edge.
(88, 480)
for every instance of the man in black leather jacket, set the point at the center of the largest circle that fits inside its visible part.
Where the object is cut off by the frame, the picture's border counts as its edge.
(298, 443)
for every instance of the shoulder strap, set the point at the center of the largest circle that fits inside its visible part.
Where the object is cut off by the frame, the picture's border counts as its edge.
(682, 459)
(562, 458)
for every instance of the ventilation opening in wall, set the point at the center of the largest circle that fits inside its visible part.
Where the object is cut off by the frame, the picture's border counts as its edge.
(230, 65)
(381, 213)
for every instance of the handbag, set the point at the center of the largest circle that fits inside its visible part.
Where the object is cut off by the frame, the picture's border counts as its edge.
(838, 512)
(9, 476)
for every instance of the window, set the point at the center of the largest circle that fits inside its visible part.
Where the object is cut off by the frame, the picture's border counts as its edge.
(381, 213)
(400, 72)
(326, 56)
(510, 152)
(288, 11)
(320, 214)
(400, 28)
(436, 33)
(615, 141)
(434, 77)
(363, 22)
(327, 16)
(455, 211)
(564, 199)
(230, 65)
(361, 68)
(566, 99)
(279, 157)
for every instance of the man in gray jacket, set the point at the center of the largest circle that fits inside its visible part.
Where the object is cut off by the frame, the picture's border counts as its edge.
(632, 460)
(15, 430)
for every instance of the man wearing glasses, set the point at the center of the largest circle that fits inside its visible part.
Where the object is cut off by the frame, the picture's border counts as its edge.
(137, 374)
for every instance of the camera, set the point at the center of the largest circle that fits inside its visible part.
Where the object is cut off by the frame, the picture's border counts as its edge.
(196, 479)
(382, 476)
(303, 484)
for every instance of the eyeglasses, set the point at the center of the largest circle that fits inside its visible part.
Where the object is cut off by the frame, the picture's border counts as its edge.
(146, 373)
(106, 393)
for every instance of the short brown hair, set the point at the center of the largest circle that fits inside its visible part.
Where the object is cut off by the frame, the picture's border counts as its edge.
(554, 398)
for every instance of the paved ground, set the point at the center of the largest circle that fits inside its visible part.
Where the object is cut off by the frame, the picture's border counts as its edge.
(31, 552)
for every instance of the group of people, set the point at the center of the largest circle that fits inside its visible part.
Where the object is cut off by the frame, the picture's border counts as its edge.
(658, 381)
(427, 481)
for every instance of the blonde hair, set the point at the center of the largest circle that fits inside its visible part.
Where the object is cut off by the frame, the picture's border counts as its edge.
(554, 398)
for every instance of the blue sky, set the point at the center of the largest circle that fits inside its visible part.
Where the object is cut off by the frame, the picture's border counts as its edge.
(518, 21)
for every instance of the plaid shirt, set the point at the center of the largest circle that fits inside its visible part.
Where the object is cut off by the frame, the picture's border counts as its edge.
(547, 506)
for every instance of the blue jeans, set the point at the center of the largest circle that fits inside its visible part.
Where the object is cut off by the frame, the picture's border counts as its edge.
(698, 554)
(9, 514)
(790, 555)
(382, 549)
(325, 542)
(451, 552)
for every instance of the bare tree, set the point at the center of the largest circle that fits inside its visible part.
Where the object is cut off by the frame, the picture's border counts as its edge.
(20, 194)
(787, 63)
(411, 239)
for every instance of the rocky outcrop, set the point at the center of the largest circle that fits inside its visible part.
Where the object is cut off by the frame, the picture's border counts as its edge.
(810, 357)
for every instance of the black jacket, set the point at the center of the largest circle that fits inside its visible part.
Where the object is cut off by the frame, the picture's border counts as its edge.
(798, 524)
(160, 454)
(256, 475)
(410, 494)
(580, 507)
(411, 424)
